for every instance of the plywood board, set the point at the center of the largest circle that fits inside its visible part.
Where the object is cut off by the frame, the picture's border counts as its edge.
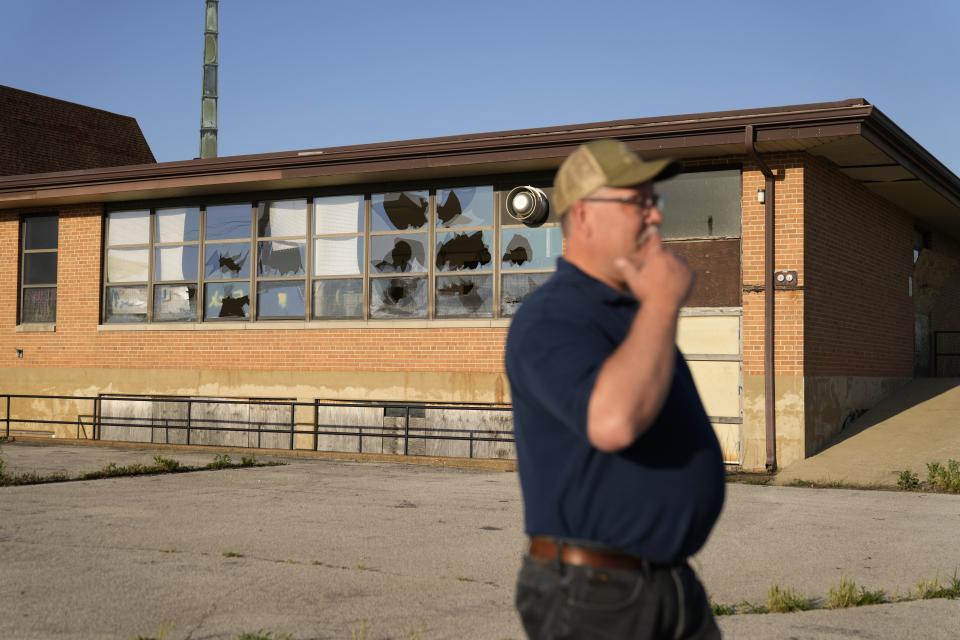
(717, 335)
(719, 387)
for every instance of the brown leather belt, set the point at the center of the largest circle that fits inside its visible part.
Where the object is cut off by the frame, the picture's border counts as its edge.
(546, 549)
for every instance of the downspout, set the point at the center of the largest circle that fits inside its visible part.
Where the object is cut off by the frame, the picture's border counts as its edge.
(769, 383)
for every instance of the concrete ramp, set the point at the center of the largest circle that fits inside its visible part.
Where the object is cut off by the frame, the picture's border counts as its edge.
(917, 424)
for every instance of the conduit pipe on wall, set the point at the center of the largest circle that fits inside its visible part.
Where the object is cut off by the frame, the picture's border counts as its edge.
(769, 383)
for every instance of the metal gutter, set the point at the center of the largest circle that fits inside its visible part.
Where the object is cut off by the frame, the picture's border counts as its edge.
(769, 290)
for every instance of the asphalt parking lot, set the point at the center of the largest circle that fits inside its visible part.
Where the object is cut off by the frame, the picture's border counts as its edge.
(323, 549)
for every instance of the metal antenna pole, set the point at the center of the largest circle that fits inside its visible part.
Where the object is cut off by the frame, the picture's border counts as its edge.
(208, 103)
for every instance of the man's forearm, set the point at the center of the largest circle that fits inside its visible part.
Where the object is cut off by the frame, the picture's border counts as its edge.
(634, 381)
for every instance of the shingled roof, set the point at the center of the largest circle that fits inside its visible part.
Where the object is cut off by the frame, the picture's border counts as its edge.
(39, 134)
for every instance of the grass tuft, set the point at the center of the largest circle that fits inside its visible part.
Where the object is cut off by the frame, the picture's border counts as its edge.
(908, 480)
(786, 600)
(221, 461)
(929, 589)
(944, 477)
(721, 609)
(264, 635)
(848, 595)
(232, 554)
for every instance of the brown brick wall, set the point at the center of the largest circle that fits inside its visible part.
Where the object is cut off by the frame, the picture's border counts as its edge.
(788, 249)
(78, 343)
(858, 316)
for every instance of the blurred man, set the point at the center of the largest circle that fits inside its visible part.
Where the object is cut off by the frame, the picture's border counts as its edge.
(621, 473)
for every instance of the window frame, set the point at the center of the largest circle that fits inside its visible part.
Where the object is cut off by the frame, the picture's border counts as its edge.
(22, 286)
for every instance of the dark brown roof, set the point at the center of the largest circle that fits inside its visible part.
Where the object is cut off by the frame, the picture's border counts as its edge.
(852, 134)
(39, 134)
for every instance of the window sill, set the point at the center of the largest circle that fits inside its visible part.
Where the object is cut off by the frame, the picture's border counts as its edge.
(36, 327)
(280, 325)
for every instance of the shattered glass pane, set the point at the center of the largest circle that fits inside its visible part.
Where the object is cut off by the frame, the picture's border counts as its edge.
(465, 296)
(40, 268)
(176, 263)
(40, 232)
(175, 302)
(227, 300)
(282, 258)
(398, 254)
(465, 207)
(400, 211)
(282, 218)
(469, 250)
(226, 222)
(178, 225)
(398, 298)
(128, 227)
(281, 300)
(226, 261)
(531, 248)
(126, 304)
(337, 299)
(338, 256)
(515, 287)
(127, 265)
(703, 204)
(39, 305)
(338, 214)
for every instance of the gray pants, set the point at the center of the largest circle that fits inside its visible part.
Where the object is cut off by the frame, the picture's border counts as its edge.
(563, 601)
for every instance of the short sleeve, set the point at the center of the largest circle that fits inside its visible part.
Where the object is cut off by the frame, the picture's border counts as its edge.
(556, 366)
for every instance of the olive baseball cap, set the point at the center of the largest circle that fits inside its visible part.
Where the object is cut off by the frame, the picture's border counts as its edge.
(604, 163)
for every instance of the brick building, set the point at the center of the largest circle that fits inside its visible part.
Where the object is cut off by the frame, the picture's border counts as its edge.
(390, 271)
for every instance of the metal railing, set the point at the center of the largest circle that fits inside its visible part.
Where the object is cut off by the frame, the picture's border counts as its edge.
(397, 422)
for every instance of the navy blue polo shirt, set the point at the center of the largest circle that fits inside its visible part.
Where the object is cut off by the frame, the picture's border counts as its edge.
(658, 498)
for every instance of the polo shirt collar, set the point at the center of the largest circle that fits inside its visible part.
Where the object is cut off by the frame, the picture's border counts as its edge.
(590, 285)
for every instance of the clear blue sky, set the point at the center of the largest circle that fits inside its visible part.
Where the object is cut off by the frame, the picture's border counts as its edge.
(297, 74)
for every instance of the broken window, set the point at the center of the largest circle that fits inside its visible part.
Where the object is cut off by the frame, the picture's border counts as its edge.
(223, 261)
(38, 282)
(528, 256)
(515, 287)
(175, 302)
(127, 265)
(464, 251)
(392, 298)
(704, 204)
(126, 304)
(465, 207)
(282, 258)
(398, 254)
(338, 248)
(465, 296)
(227, 300)
(338, 299)
(405, 210)
(281, 300)
(524, 248)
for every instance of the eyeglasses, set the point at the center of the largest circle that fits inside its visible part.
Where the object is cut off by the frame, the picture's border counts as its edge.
(653, 201)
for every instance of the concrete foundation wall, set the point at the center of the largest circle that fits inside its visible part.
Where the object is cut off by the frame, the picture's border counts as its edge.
(790, 421)
(834, 402)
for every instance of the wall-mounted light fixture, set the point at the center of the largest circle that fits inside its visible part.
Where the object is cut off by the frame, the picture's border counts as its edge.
(761, 196)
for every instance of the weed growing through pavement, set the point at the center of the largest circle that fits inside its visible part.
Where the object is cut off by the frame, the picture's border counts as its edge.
(944, 477)
(232, 554)
(848, 595)
(928, 589)
(220, 461)
(786, 600)
(721, 609)
(908, 480)
(264, 635)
